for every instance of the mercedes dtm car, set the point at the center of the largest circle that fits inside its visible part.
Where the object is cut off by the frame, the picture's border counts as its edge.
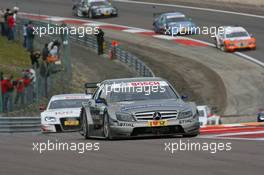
(173, 24)
(62, 113)
(261, 116)
(136, 107)
(94, 8)
(233, 38)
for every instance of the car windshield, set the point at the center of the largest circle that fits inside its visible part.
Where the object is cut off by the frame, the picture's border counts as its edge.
(70, 103)
(146, 93)
(237, 34)
(201, 113)
(176, 19)
(100, 3)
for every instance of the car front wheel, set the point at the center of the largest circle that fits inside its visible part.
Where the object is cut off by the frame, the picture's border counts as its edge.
(85, 126)
(106, 129)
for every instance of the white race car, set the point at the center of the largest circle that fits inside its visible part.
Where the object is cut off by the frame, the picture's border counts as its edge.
(62, 113)
(233, 38)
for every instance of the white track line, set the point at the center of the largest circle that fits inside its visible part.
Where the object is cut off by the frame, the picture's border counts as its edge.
(190, 7)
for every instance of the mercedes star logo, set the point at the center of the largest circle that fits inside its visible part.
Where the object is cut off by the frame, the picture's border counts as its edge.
(157, 116)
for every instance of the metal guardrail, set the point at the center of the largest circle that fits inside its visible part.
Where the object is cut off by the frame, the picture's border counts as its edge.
(126, 57)
(19, 124)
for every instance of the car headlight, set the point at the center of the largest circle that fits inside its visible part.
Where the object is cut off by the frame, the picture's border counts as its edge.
(124, 117)
(185, 114)
(50, 119)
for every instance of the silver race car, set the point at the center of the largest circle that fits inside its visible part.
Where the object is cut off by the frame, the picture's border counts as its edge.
(94, 8)
(136, 107)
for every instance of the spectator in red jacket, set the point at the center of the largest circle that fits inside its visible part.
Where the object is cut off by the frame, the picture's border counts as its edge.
(7, 87)
(11, 26)
(20, 91)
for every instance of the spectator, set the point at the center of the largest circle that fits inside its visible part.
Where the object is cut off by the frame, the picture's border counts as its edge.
(25, 35)
(11, 26)
(2, 22)
(1, 76)
(7, 90)
(20, 91)
(45, 52)
(34, 56)
(100, 42)
(51, 44)
(30, 36)
(6, 14)
(54, 51)
(15, 11)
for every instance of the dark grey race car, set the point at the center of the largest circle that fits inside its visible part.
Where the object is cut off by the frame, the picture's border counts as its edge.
(136, 107)
(94, 8)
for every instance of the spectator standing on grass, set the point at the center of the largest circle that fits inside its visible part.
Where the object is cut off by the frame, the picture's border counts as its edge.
(25, 35)
(54, 51)
(45, 52)
(34, 56)
(2, 22)
(1, 76)
(11, 26)
(100, 42)
(15, 11)
(6, 14)
(30, 36)
(20, 91)
(7, 90)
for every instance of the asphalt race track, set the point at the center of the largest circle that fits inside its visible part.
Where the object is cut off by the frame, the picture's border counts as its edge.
(141, 156)
(139, 15)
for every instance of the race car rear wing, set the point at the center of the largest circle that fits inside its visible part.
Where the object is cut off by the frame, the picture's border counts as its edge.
(89, 86)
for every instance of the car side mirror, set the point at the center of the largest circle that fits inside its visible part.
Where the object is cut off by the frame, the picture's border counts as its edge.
(42, 108)
(184, 97)
(100, 101)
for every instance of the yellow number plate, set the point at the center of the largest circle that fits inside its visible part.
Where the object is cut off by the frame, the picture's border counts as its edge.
(155, 123)
(71, 123)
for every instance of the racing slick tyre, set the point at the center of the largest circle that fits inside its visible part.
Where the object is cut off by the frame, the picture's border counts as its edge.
(106, 129)
(223, 48)
(78, 13)
(85, 126)
(90, 14)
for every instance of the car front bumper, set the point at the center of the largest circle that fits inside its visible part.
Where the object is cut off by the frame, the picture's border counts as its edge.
(59, 126)
(134, 129)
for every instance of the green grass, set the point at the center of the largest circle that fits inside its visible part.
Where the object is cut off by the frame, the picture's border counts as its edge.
(13, 57)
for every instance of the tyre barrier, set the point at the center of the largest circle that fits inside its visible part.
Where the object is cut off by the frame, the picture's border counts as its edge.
(19, 124)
